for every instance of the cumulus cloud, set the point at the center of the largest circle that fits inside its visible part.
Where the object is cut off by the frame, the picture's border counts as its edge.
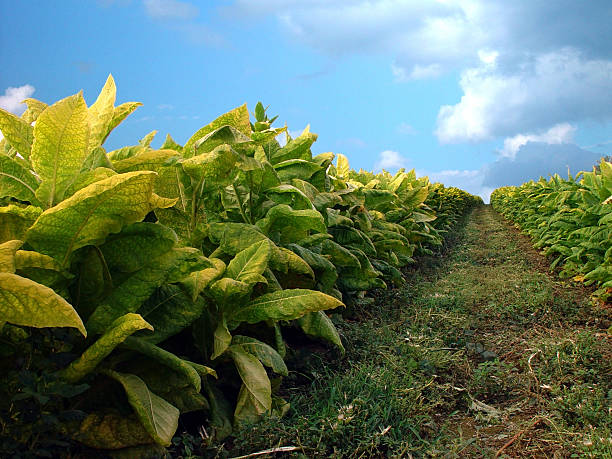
(558, 87)
(447, 33)
(558, 134)
(390, 160)
(525, 66)
(12, 98)
(170, 9)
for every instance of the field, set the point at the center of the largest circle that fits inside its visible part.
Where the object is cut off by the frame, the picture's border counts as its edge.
(484, 352)
(236, 295)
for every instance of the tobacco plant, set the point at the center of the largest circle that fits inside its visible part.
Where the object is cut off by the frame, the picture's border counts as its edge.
(140, 284)
(570, 219)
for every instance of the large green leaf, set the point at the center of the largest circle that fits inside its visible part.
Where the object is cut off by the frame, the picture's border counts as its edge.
(8, 250)
(158, 417)
(342, 166)
(148, 160)
(97, 157)
(229, 293)
(44, 270)
(170, 144)
(249, 264)
(255, 396)
(101, 113)
(170, 310)
(35, 108)
(147, 139)
(15, 221)
(265, 178)
(237, 118)
(290, 195)
(335, 218)
(285, 261)
(221, 339)
(119, 330)
(340, 256)
(291, 225)
(25, 302)
(282, 305)
(112, 431)
(235, 237)
(324, 270)
(92, 213)
(126, 152)
(120, 113)
(197, 281)
(296, 168)
(378, 199)
(298, 148)
(352, 237)
(223, 135)
(61, 144)
(165, 358)
(412, 199)
(128, 296)
(84, 179)
(136, 245)
(170, 385)
(213, 168)
(264, 352)
(18, 132)
(16, 181)
(318, 325)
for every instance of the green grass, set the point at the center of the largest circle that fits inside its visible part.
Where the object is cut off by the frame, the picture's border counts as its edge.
(481, 346)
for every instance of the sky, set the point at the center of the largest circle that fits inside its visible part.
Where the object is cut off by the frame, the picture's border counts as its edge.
(472, 93)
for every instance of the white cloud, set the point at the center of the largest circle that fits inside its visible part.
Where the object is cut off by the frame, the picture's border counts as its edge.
(12, 98)
(165, 107)
(390, 160)
(170, 9)
(558, 134)
(418, 72)
(558, 87)
(406, 129)
(516, 75)
(488, 57)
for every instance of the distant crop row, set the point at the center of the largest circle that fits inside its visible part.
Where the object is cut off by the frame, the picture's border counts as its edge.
(570, 219)
(141, 284)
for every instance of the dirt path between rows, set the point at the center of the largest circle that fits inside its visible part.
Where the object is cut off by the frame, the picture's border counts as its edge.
(537, 349)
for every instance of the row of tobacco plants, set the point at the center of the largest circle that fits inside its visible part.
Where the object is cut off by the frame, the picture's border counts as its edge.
(570, 219)
(141, 284)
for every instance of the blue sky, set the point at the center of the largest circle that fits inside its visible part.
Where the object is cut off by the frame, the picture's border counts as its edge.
(473, 93)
